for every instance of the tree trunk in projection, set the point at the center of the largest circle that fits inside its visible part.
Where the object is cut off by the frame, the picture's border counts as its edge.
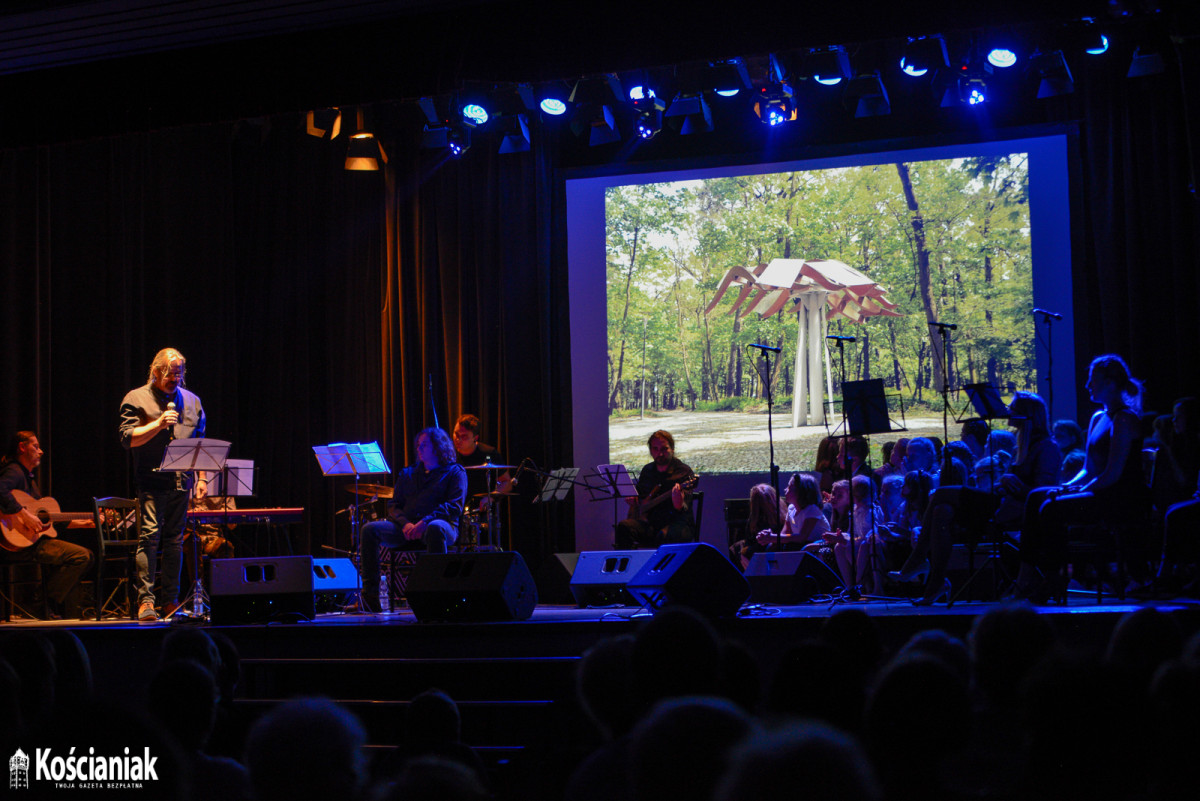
(923, 282)
(615, 396)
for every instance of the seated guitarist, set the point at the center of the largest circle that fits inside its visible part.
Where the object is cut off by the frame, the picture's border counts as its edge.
(67, 561)
(653, 518)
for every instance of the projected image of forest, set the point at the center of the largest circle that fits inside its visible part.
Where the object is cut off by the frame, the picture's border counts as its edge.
(948, 240)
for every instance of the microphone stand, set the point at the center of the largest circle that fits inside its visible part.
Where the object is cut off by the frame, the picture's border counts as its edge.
(1048, 319)
(767, 350)
(943, 332)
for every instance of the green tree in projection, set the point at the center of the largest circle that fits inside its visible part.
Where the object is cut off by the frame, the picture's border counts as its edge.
(637, 219)
(948, 240)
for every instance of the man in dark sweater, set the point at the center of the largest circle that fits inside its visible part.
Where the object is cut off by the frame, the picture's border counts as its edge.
(67, 561)
(661, 512)
(424, 509)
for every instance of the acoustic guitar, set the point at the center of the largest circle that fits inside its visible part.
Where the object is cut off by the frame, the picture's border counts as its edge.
(640, 511)
(15, 537)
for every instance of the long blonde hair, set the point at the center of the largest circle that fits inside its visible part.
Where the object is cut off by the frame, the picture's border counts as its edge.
(162, 363)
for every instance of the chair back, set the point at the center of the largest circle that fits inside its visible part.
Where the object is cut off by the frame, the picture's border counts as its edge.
(117, 520)
(697, 512)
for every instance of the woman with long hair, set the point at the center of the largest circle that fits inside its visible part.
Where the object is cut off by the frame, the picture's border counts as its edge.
(1110, 488)
(766, 516)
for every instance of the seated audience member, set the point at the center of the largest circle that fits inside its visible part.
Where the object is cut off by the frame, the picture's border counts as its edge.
(1181, 549)
(828, 763)
(1110, 488)
(1069, 436)
(870, 539)
(891, 499)
(975, 436)
(432, 778)
(432, 728)
(956, 458)
(893, 459)
(183, 698)
(1177, 460)
(1002, 442)
(1037, 461)
(922, 455)
(765, 520)
(826, 463)
(852, 458)
(918, 485)
(804, 522)
(307, 748)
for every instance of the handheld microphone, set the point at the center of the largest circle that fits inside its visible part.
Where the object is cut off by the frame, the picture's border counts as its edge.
(1049, 314)
(171, 408)
(765, 347)
(950, 326)
(840, 338)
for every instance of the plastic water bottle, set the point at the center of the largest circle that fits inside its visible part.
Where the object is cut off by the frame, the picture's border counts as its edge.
(383, 593)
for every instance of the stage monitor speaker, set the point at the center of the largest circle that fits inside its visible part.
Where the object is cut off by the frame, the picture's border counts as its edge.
(789, 577)
(601, 577)
(334, 581)
(278, 588)
(481, 586)
(554, 579)
(692, 574)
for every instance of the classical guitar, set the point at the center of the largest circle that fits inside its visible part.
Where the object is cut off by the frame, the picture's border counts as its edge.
(14, 537)
(655, 498)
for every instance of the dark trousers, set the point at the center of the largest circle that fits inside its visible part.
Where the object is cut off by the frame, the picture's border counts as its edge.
(439, 536)
(67, 562)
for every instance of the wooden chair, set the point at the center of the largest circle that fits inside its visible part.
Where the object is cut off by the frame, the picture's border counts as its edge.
(118, 521)
(9, 578)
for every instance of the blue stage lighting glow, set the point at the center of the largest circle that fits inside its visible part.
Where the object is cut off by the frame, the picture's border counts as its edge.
(641, 93)
(976, 96)
(553, 106)
(727, 92)
(1001, 57)
(831, 81)
(1103, 48)
(475, 113)
(912, 71)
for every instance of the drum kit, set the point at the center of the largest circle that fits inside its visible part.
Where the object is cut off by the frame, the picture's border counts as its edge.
(478, 527)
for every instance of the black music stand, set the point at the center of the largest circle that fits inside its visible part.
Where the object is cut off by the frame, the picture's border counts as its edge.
(864, 412)
(615, 483)
(189, 456)
(352, 459)
(236, 479)
(984, 399)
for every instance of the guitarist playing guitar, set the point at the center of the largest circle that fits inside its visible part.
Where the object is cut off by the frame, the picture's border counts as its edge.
(662, 511)
(67, 561)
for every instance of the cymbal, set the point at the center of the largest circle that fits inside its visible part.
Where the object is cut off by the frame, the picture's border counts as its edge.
(368, 490)
(490, 466)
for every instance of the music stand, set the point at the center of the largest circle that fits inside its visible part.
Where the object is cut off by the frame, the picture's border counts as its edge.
(985, 400)
(865, 411)
(188, 456)
(352, 459)
(616, 483)
(235, 480)
(558, 485)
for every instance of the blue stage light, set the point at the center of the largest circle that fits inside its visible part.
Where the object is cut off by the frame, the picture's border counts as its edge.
(1001, 57)
(910, 70)
(1100, 49)
(831, 81)
(475, 113)
(727, 92)
(553, 106)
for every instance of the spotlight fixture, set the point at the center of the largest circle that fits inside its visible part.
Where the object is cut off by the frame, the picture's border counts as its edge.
(1001, 50)
(474, 114)
(827, 66)
(727, 78)
(364, 152)
(324, 123)
(966, 90)
(924, 53)
(775, 104)
(514, 134)
(690, 114)
(458, 140)
(1146, 61)
(593, 99)
(648, 111)
(1054, 76)
(552, 98)
(1084, 36)
(866, 95)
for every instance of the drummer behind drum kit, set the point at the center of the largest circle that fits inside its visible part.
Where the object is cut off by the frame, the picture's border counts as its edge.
(478, 528)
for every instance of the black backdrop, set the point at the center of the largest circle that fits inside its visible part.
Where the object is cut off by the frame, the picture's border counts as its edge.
(315, 305)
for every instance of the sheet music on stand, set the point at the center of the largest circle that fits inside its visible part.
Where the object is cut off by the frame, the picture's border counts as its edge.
(617, 483)
(986, 401)
(351, 459)
(188, 455)
(558, 485)
(236, 480)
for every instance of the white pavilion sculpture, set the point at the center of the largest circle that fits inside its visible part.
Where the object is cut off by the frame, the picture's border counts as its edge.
(817, 290)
